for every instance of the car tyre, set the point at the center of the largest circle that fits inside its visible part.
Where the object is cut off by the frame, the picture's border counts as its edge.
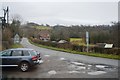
(24, 66)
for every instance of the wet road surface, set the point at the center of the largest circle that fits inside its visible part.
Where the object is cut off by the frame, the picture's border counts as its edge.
(58, 64)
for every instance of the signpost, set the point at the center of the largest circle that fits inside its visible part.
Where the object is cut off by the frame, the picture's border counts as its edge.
(87, 40)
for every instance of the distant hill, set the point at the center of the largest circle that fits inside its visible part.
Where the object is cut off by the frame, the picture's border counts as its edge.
(37, 26)
(42, 27)
(32, 24)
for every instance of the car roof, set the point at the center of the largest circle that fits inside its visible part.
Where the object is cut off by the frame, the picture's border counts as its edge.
(21, 49)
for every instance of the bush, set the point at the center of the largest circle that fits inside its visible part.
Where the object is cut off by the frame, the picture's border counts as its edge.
(65, 46)
(69, 46)
(112, 51)
(54, 44)
(98, 49)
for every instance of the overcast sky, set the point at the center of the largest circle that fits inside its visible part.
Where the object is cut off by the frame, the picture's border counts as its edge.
(67, 13)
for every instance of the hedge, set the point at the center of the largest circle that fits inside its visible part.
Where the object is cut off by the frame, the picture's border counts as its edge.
(77, 47)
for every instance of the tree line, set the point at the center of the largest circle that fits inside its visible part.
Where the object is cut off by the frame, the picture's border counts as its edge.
(98, 33)
(9, 31)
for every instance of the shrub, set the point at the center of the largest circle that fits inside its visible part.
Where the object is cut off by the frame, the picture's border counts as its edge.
(112, 51)
(69, 46)
(77, 48)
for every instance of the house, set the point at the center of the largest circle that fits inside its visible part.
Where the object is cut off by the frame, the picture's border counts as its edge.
(44, 35)
(104, 45)
(108, 46)
(101, 45)
(16, 38)
(62, 41)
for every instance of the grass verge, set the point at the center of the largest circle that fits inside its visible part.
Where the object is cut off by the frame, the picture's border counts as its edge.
(109, 56)
(16, 46)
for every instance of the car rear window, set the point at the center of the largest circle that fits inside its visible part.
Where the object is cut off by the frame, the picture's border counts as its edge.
(25, 53)
(16, 53)
(33, 53)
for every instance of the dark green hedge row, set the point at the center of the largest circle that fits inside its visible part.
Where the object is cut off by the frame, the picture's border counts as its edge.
(77, 47)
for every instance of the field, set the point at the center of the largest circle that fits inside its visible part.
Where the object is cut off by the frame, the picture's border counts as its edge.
(42, 27)
(16, 46)
(77, 41)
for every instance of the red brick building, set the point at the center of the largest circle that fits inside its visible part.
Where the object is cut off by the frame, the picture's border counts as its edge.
(44, 35)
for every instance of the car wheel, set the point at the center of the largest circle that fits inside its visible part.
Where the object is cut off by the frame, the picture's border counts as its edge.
(24, 66)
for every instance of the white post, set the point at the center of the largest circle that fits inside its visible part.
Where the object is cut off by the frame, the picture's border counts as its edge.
(87, 40)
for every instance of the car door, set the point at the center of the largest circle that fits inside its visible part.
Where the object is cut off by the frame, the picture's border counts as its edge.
(5, 57)
(15, 57)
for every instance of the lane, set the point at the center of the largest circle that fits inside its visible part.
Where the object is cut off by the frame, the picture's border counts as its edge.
(53, 67)
(58, 64)
(76, 57)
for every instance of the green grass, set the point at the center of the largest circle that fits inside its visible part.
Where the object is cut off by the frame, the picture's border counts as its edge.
(79, 41)
(42, 27)
(109, 56)
(16, 46)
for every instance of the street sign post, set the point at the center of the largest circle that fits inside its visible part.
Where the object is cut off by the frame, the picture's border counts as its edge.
(87, 40)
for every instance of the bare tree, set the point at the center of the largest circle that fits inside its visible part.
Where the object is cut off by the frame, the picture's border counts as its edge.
(15, 25)
(17, 17)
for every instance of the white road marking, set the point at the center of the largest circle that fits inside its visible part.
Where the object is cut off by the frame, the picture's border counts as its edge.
(52, 72)
(97, 73)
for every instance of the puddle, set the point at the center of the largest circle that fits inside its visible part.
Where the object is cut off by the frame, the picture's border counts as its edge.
(77, 67)
(62, 59)
(72, 66)
(52, 72)
(91, 69)
(78, 63)
(89, 65)
(97, 73)
(81, 68)
(101, 66)
(46, 55)
(73, 72)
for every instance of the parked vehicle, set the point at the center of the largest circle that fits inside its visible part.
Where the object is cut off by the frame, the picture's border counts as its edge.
(23, 58)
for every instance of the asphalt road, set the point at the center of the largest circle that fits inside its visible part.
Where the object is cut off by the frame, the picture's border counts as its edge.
(57, 64)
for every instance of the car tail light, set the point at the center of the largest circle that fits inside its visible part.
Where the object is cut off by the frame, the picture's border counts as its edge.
(34, 58)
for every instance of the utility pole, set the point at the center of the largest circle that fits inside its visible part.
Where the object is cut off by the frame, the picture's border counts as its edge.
(7, 15)
(6, 12)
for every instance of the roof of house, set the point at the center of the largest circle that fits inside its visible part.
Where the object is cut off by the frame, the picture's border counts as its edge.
(44, 33)
(108, 46)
